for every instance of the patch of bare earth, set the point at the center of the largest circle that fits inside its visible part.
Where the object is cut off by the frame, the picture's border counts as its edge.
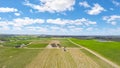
(54, 44)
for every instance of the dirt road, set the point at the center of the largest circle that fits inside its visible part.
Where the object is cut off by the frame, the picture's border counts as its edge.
(57, 58)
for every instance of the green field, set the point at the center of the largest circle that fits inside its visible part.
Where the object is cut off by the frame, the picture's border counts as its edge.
(110, 50)
(40, 43)
(15, 43)
(35, 53)
(65, 43)
(16, 58)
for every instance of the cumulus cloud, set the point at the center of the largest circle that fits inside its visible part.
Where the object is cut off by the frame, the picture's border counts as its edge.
(112, 19)
(84, 4)
(38, 29)
(57, 21)
(3, 23)
(76, 29)
(6, 9)
(81, 21)
(29, 24)
(116, 2)
(52, 5)
(5, 28)
(111, 9)
(90, 29)
(20, 22)
(55, 28)
(16, 28)
(17, 14)
(95, 10)
(26, 21)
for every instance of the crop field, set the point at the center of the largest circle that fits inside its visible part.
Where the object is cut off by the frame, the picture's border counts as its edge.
(66, 43)
(110, 50)
(39, 53)
(41, 43)
(16, 58)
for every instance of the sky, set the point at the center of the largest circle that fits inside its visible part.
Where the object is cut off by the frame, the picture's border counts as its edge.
(60, 17)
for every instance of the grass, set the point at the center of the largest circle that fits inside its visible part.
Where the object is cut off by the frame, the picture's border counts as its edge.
(64, 42)
(110, 50)
(15, 43)
(16, 58)
(41, 43)
(102, 63)
(19, 58)
(37, 45)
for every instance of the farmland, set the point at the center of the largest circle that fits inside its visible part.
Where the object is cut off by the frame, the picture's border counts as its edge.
(110, 50)
(36, 54)
(41, 43)
(16, 58)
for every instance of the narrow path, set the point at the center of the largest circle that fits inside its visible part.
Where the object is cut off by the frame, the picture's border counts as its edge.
(96, 54)
(57, 58)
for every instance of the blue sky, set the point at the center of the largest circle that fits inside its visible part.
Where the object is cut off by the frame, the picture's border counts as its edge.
(60, 17)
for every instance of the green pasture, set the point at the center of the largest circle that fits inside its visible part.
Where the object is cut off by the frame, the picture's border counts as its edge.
(66, 43)
(15, 43)
(110, 50)
(16, 58)
(40, 43)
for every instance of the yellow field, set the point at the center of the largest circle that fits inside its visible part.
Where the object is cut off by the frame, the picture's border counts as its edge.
(57, 58)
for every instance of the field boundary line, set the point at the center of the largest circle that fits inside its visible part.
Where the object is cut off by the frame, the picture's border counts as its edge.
(96, 54)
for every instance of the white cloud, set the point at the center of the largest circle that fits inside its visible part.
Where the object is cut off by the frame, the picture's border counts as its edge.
(84, 4)
(6, 9)
(89, 29)
(110, 31)
(81, 21)
(37, 29)
(17, 14)
(31, 10)
(5, 28)
(3, 23)
(57, 21)
(112, 19)
(19, 23)
(55, 28)
(77, 29)
(116, 2)
(29, 24)
(16, 28)
(26, 21)
(71, 26)
(111, 9)
(95, 10)
(52, 5)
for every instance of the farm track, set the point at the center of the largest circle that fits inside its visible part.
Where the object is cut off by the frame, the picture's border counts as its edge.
(57, 58)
